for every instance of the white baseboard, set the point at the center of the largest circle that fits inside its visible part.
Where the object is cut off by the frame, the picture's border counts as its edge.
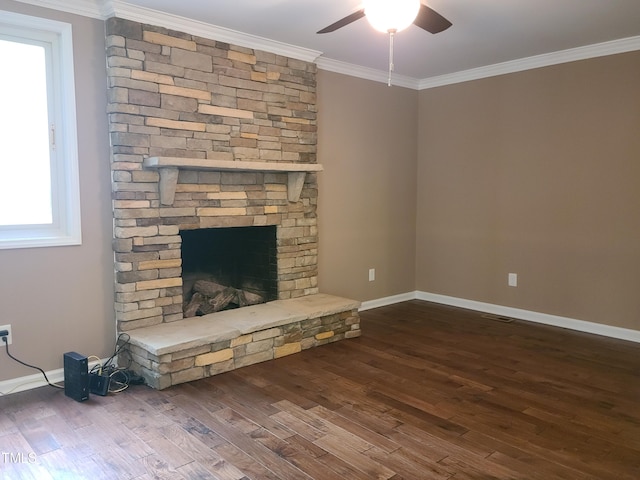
(383, 302)
(537, 317)
(36, 380)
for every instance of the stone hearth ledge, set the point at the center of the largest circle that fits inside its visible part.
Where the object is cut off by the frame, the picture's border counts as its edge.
(167, 338)
(190, 349)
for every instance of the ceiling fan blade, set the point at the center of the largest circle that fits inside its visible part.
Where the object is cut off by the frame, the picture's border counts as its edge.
(345, 21)
(430, 20)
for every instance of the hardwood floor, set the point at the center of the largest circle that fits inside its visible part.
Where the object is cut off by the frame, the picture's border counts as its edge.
(428, 392)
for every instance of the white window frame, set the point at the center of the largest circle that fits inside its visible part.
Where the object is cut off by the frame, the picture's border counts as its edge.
(65, 185)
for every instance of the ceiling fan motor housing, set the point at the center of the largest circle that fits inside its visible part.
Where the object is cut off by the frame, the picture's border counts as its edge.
(391, 15)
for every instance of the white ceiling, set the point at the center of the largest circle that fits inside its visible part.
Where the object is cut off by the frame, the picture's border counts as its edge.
(484, 32)
(487, 37)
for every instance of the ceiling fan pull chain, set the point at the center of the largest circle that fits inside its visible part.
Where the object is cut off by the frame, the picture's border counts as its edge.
(391, 37)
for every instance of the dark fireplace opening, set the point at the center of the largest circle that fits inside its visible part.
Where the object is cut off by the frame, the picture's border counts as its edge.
(224, 268)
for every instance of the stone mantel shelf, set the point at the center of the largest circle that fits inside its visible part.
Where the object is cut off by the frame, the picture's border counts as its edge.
(169, 168)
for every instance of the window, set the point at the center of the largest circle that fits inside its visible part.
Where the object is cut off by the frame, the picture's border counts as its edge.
(39, 188)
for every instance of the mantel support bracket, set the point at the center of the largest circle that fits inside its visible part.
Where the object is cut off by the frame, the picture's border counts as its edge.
(295, 184)
(168, 184)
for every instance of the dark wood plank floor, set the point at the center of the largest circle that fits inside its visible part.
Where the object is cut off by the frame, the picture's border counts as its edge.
(428, 392)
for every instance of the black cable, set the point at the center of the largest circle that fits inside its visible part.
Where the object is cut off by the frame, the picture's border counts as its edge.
(118, 349)
(119, 377)
(6, 344)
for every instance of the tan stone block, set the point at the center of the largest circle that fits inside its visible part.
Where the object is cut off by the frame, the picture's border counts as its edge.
(255, 358)
(125, 288)
(352, 334)
(126, 297)
(256, 106)
(227, 196)
(151, 77)
(273, 75)
(324, 335)
(220, 367)
(148, 265)
(143, 322)
(177, 212)
(270, 209)
(231, 221)
(260, 346)
(269, 333)
(158, 302)
(160, 39)
(307, 343)
(161, 283)
(214, 357)
(126, 166)
(194, 187)
(135, 232)
(162, 239)
(224, 112)
(241, 340)
(220, 212)
(191, 60)
(128, 307)
(175, 124)
(123, 266)
(138, 314)
(188, 375)
(301, 121)
(176, 365)
(259, 76)
(287, 349)
(185, 92)
(302, 283)
(232, 203)
(241, 57)
(168, 229)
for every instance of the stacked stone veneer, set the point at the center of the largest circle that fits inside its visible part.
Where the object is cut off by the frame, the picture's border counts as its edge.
(172, 94)
(173, 353)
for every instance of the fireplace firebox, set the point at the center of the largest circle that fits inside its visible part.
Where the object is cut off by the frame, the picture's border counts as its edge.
(225, 268)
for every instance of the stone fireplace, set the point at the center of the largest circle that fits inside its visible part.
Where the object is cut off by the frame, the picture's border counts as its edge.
(211, 136)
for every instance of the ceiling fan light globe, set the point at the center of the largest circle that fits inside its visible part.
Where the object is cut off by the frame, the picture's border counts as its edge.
(391, 15)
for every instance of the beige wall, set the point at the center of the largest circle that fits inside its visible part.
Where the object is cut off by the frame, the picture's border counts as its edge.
(367, 193)
(536, 173)
(61, 299)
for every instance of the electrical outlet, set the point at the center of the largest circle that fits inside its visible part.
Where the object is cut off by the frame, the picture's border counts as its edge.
(372, 274)
(513, 279)
(9, 337)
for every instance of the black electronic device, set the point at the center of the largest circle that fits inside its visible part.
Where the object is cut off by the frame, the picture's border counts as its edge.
(99, 384)
(76, 376)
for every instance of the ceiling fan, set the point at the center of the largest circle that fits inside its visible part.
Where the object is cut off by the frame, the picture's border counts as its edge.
(426, 18)
(392, 16)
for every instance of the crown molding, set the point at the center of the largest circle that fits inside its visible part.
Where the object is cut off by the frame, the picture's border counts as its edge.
(124, 10)
(554, 58)
(103, 9)
(352, 70)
